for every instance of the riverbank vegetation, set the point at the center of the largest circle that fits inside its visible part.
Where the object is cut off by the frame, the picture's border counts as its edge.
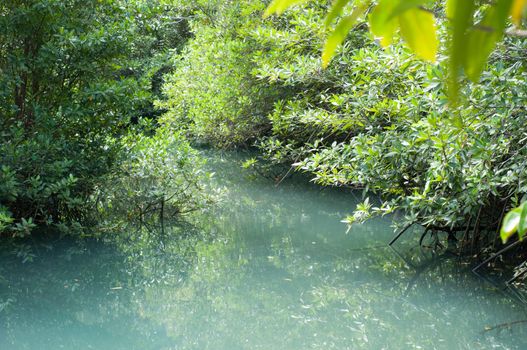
(375, 119)
(78, 80)
(100, 104)
(115, 116)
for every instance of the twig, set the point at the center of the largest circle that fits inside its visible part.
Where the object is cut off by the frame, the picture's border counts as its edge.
(400, 234)
(503, 325)
(512, 245)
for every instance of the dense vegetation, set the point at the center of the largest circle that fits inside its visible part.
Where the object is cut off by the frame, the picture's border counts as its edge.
(78, 79)
(105, 106)
(375, 119)
(81, 138)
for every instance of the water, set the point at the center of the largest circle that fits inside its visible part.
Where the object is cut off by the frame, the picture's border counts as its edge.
(272, 268)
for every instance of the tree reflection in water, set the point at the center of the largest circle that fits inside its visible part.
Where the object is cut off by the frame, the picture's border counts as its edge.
(271, 268)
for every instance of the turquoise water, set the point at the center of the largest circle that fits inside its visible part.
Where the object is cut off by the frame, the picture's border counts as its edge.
(269, 268)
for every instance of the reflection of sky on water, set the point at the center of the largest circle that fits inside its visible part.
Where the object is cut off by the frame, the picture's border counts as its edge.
(272, 268)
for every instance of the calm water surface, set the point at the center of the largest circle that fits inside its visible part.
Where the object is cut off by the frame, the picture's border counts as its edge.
(272, 268)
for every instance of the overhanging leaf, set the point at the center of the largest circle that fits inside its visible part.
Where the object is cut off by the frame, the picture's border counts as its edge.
(335, 11)
(522, 225)
(279, 6)
(461, 14)
(402, 6)
(450, 8)
(338, 35)
(510, 224)
(381, 25)
(419, 31)
(483, 38)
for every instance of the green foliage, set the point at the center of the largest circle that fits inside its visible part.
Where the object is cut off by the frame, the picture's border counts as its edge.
(213, 95)
(158, 176)
(481, 43)
(472, 35)
(249, 163)
(45, 178)
(74, 75)
(338, 35)
(379, 120)
(448, 169)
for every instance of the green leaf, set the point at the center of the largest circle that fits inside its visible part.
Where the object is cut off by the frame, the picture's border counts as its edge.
(522, 225)
(405, 5)
(279, 6)
(450, 8)
(419, 31)
(483, 38)
(510, 224)
(335, 10)
(338, 35)
(461, 13)
(381, 25)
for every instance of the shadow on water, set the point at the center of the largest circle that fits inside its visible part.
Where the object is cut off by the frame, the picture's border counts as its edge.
(268, 268)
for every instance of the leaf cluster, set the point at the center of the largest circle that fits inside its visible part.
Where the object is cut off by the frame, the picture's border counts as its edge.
(74, 77)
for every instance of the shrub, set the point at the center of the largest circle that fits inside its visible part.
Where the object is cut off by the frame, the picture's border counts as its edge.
(74, 76)
(158, 177)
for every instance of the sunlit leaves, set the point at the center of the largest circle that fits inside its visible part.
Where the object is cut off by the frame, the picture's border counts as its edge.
(483, 37)
(462, 13)
(401, 6)
(416, 24)
(214, 86)
(470, 43)
(514, 221)
(279, 6)
(450, 8)
(522, 225)
(510, 224)
(335, 10)
(382, 25)
(338, 35)
(377, 119)
(419, 32)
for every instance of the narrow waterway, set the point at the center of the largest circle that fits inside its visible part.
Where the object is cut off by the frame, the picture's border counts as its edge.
(270, 268)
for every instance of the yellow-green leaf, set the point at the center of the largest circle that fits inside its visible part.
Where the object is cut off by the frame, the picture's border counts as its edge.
(404, 5)
(483, 38)
(338, 35)
(418, 29)
(335, 10)
(461, 14)
(522, 225)
(450, 8)
(517, 11)
(382, 25)
(510, 224)
(279, 6)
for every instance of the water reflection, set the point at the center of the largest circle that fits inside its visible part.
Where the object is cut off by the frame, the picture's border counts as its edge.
(272, 268)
